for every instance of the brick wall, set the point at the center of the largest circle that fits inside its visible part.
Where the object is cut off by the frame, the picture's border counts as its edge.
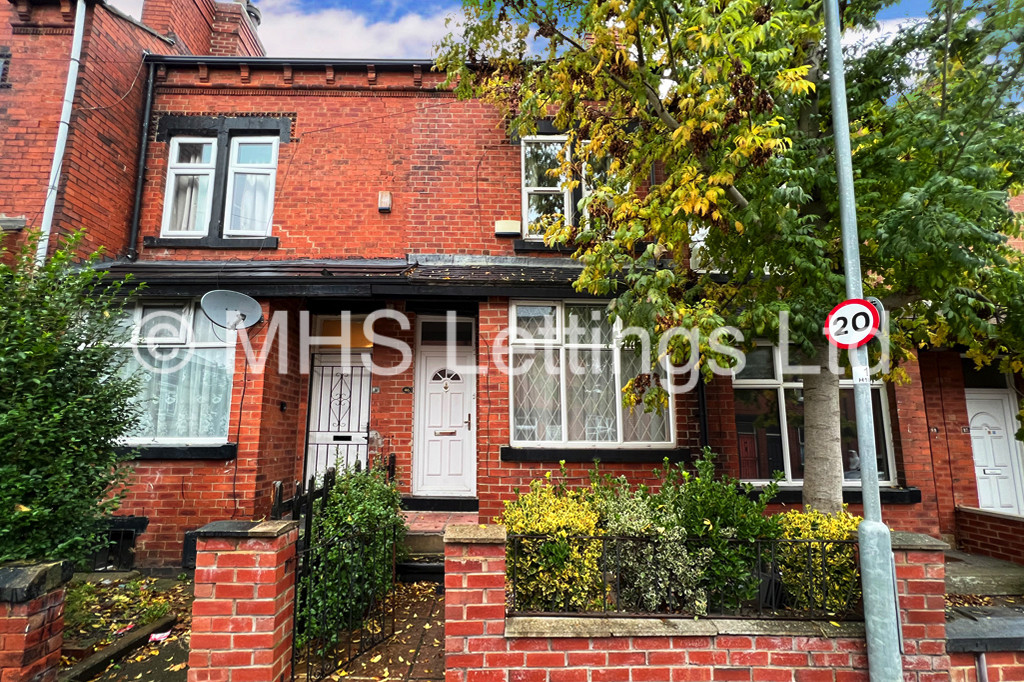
(189, 22)
(97, 181)
(1001, 666)
(30, 108)
(233, 34)
(450, 167)
(483, 646)
(999, 536)
(32, 620)
(243, 613)
(100, 164)
(952, 455)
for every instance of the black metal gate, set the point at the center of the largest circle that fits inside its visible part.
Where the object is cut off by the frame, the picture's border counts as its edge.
(344, 584)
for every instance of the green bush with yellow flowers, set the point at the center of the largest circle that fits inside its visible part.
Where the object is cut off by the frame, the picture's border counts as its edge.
(556, 571)
(821, 575)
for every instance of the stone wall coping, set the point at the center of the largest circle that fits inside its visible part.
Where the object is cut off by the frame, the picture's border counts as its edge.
(475, 534)
(993, 514)
(563, 626)
(246, 529)
(24, 581)
(917, 541)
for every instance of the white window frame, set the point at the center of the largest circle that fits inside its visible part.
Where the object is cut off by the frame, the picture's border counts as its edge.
(781, 384)
(235, 168)
(190, 311)
(174, 169)
(5, 65)
(529, 190)
(561, 345)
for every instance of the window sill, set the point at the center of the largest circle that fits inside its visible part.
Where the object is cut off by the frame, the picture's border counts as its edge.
(228, 451)
(851, 495)
(623, 455)
(535, 246)
(210, 243)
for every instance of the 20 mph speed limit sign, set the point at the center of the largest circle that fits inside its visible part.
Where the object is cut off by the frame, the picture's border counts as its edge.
(852, 323)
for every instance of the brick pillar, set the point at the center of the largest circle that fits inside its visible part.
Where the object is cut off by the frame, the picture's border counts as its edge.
(243, 614)
(921, 584)
(474, 582)
(32, 620)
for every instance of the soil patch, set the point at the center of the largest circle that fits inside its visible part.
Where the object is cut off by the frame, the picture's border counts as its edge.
(100, 612)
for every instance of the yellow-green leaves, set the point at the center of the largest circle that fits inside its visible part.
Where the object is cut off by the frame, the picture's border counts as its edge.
(794, 81)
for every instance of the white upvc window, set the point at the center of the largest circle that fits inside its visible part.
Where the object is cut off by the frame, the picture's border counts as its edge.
(543, 194)
(252, 174)
(769, 418)
(188, 200)
(186, 366)
(567, 369)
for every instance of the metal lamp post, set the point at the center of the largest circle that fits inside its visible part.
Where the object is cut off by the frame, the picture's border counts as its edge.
(881, 617)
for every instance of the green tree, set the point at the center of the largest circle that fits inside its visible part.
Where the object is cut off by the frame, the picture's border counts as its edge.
(727, 101)
(65, 403)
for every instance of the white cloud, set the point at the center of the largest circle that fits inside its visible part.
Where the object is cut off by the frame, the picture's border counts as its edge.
(884, 33)
(132, 8)
(287, 31)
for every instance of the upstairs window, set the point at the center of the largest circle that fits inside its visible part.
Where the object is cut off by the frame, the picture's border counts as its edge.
(252, 173)
(543, 194)
(220, 187)
(190, 173)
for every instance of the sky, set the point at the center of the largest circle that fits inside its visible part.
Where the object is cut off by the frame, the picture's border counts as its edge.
(389, 29)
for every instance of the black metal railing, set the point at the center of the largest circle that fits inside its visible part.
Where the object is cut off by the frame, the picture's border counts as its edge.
(344, 583)
(345, 600)
(603, 575)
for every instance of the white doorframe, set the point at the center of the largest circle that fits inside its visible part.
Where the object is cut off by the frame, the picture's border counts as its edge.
(1008, 398)
(466, 486)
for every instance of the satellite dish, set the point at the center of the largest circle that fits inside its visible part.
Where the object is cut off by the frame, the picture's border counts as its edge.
(231, 309)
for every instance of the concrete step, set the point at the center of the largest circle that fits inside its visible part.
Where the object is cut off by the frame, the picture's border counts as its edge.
(429, 542)
(977, 574)
(423, 567)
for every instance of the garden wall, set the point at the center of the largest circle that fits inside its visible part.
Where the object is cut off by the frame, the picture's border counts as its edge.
(1000, 536)
(32, 620)
(483, 645)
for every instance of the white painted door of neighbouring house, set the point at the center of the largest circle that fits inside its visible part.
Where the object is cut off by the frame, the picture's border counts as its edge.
(997, 456)
(339, 414)
(444, 461)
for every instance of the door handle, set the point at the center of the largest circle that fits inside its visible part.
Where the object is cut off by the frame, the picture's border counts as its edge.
(469, 421)
(445, 433)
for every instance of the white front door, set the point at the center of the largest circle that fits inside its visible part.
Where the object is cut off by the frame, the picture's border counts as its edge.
(339, 414)
(997, 456)
(444, 461)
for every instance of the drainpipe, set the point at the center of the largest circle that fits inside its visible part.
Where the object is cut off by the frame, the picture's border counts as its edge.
(881, 617)
(62, 134)
(980, 667)
(140, 173)
(702, 408)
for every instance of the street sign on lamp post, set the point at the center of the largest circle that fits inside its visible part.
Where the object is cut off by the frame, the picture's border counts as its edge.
(881, 615)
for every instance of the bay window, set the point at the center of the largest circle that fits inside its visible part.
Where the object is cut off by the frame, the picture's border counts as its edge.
(186, 366)
(567, 369)
(769, 414)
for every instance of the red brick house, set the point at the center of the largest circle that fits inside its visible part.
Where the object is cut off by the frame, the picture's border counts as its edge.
(330, 187)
